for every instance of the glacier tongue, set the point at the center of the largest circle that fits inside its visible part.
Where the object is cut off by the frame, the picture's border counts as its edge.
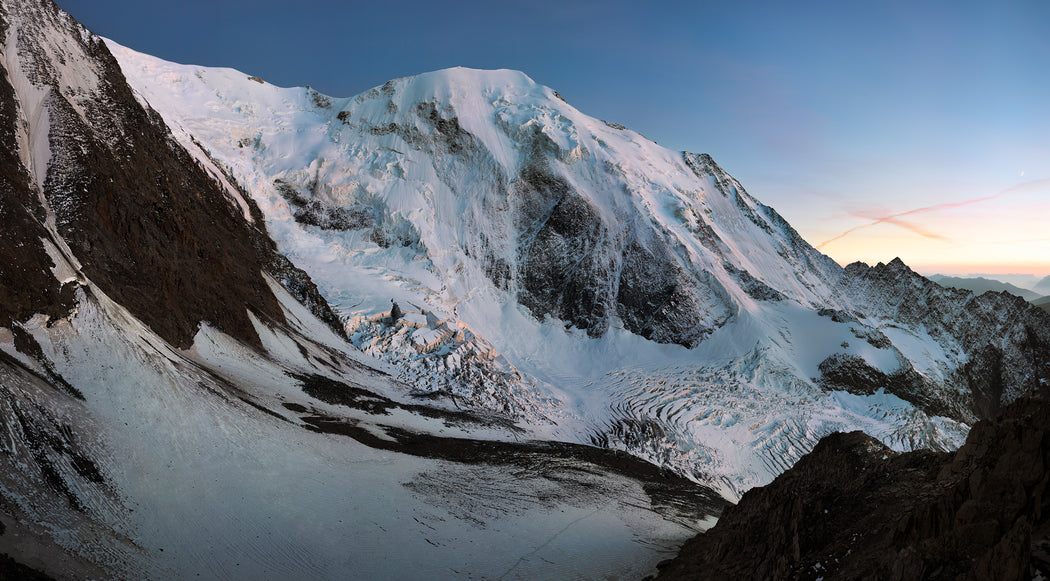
(564, 243)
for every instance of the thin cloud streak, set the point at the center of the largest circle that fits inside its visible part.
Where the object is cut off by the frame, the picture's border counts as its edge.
(916, 229)
(893, 218)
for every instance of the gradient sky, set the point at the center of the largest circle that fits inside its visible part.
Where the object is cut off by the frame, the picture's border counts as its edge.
(878, 129)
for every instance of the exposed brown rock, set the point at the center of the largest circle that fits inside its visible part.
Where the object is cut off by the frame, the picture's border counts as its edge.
(853, 509)
(148, 225)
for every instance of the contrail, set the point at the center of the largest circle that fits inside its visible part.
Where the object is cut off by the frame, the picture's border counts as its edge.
(893, 218)
(918, 230)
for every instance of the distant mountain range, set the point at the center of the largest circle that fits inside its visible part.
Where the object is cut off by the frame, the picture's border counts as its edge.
(1043, 303)
(980, 285)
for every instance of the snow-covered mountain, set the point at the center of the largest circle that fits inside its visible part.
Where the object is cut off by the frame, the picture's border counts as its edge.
(637, 297)
(200, 373)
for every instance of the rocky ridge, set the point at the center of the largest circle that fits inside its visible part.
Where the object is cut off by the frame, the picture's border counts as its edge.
(1004, 340)
(136, 214)
(853, 509)
(980, 285)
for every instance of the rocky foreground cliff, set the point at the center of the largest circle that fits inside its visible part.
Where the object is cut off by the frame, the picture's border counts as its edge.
(853, 509)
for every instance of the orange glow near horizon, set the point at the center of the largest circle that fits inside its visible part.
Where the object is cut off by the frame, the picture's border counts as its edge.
(1004, 233)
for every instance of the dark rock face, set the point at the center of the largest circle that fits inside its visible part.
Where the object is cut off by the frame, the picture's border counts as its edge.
(561, 236)
(300, 286)
(366, 213)
(565, 288)
(853, 509)
(147, 224)
(661, 301)
(754, 288)
(26, 283)
(579, 267)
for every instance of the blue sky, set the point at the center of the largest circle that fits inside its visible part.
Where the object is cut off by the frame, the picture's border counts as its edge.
(844, 116)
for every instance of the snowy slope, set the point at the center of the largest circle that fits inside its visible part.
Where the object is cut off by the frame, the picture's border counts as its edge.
(646, 300)
(216, 487)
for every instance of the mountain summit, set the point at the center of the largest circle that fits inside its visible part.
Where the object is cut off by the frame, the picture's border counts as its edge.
(495, 183)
